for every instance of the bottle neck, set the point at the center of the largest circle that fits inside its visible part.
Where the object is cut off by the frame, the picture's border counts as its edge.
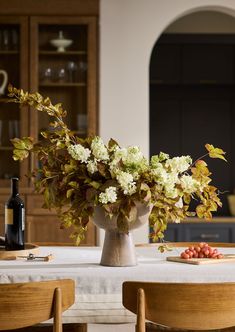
(14, 187)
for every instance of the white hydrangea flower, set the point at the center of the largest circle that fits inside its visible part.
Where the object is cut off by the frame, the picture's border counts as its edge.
(99, 150)
(171, 191)
(132, 161)
(119, 154)
(163, 156)
(109, 196)
(179, 164)
(189, 184)
(157, 159)
(92, 166)
(134, 155)
(78, 152)
(126, 182)
(160, 174)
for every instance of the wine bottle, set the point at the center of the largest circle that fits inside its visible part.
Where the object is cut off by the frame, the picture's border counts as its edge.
(14, 219)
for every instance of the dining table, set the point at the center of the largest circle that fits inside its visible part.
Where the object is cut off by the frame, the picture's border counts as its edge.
(98, 297)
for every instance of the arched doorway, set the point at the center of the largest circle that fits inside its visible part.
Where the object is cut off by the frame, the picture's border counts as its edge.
(192, 99)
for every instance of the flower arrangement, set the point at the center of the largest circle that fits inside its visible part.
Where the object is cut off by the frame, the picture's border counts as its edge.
(76, 175)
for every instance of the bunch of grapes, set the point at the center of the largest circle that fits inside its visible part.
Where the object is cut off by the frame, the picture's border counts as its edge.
(202, 250)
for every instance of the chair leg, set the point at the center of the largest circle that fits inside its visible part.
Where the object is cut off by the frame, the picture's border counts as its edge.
(140, 324)
(57, 326)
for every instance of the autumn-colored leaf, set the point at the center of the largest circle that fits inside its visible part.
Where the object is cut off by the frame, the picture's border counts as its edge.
(215, 152)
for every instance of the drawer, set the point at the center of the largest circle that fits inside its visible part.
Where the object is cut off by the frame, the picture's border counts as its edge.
(46, 230)
(34, 205)
(208, 233)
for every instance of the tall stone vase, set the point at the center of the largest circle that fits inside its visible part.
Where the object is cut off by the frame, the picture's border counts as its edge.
(118, 248)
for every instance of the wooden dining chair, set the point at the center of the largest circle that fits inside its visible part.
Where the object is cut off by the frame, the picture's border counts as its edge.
(30, 303)
(198, 306)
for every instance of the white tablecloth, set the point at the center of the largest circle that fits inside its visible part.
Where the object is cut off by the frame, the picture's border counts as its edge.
(98, 288)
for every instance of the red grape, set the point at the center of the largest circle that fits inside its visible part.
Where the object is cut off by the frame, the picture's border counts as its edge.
(201, 250)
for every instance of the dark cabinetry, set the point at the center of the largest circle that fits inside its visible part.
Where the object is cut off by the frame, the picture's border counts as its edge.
(201, 232)
(192, 101)
(193, 59)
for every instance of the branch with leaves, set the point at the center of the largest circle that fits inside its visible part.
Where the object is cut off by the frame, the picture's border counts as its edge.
(76, 175)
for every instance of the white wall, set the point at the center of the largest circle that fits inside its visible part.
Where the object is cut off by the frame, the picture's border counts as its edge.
(128, 32)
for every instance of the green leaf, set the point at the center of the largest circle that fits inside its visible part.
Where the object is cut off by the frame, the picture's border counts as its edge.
(20, 154)
(215, 152)
(69, 193)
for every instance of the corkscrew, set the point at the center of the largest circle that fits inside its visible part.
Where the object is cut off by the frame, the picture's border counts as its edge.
(32, 257)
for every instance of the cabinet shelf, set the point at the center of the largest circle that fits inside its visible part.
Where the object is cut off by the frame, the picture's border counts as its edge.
(9, 52)
(62, 53)
(62, 85)
(6, 148)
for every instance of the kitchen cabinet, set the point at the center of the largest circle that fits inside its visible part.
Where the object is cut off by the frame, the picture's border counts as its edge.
(69, 76)
(218, 230)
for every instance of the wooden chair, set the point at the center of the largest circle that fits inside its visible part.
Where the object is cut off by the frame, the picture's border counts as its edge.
(200, 306)
(26, 304)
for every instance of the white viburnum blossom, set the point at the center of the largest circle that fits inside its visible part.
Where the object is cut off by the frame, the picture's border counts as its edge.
(189, 184)
(171, 191)
(157, 159)
(159, 174)
(179, 164)
(134, 155)
(135, 163)
(163, 156)
(126, 182)
(92, 166)
(99, 150)
(78, 152)
(109, 196)
(119, 154)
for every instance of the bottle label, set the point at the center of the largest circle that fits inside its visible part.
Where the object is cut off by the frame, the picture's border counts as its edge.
(23, 219)
(8, 216)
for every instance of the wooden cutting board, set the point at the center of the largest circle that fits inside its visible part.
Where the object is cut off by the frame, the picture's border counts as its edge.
(199, 261)
(12, 254)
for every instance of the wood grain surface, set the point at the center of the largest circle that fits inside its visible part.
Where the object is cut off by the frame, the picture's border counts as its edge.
(199, 261)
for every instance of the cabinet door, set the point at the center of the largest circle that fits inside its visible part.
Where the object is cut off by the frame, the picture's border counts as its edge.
(165, 126)
(63, 67)
(165, 64)
(13, 69)
(45, 230)
(208, 64)
(209, 232)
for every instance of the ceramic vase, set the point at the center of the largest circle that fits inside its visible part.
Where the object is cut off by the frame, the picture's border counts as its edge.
(118, 248)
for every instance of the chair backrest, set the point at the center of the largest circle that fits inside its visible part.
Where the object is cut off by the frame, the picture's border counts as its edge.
(26, 304)
(200, 306)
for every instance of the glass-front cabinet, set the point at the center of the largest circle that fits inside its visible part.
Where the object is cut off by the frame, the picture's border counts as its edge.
(56, 56)
(62, 67)
(13, 122)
